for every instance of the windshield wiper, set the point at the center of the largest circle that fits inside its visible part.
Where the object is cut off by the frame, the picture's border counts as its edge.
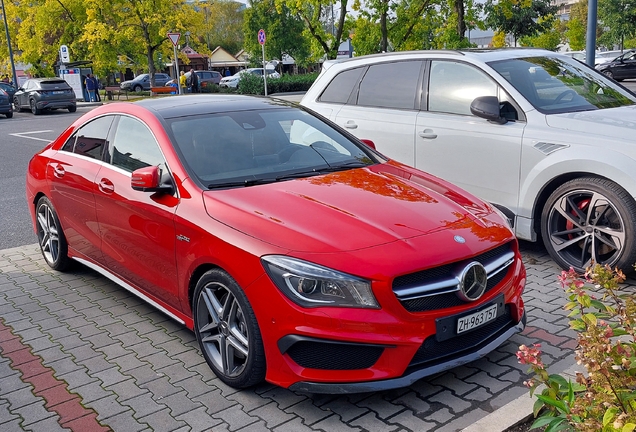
(243, 183)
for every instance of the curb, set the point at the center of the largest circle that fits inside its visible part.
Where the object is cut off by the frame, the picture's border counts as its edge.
(517, 411)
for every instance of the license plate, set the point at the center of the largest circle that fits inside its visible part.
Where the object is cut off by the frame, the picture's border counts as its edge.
(476, 319)
(59, 92)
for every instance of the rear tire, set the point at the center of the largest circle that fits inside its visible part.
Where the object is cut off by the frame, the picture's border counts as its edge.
(227, 330)
(72, 109)
(50, 236)
(589, 220)
(9, 115)
(34, 109)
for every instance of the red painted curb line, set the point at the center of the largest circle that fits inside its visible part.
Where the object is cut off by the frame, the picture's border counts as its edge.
(54, 391)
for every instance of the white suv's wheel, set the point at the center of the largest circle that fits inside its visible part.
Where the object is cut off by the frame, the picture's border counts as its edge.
(590, 220)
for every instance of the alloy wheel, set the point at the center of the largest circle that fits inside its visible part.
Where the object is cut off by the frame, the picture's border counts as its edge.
(48, 233)
(585, 226)
(224, 333)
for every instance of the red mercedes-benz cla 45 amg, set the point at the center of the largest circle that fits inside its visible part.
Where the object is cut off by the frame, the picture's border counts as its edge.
(296, 253)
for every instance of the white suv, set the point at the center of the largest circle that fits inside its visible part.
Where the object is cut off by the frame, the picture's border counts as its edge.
(548, 140)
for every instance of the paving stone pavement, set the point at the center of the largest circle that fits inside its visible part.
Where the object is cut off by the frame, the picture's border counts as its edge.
(77, 352)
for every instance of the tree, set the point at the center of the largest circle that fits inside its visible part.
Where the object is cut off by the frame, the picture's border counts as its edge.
(549, 39)
(44, 25)
(519, 17)
(320, 24)
(283, 29)
(618, 18)
(222, 25)
(134, 29)
(576, 26)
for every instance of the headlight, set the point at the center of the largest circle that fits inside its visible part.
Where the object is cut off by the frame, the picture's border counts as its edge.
(311, 285)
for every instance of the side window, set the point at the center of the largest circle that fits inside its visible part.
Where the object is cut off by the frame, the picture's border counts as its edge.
(340, 87)
(404, 78)
(453, 86)
(134, 146)
(91, 139)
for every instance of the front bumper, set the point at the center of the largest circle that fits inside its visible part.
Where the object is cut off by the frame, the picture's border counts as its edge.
(411, 375)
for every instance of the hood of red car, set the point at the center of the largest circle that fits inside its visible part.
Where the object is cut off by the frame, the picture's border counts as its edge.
(348, 210)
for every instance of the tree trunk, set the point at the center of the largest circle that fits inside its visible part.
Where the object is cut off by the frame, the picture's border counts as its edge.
(151, 64)
(461, 23)
(384, 39)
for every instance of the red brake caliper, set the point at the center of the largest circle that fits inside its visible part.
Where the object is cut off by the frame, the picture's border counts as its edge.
(581, 205)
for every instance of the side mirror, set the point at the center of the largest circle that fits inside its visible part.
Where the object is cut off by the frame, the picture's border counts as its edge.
(147, 179)
(487, 107)
(369, 143)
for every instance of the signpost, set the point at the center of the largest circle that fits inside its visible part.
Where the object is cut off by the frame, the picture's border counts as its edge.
(174, 38)
(64, 56)
(261, 40)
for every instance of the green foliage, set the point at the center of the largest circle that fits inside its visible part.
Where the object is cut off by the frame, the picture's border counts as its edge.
(618, 18)
(519, 17)
(283, 29)
(221, 25)
(252, 84)
(549, 39)
(605, 319)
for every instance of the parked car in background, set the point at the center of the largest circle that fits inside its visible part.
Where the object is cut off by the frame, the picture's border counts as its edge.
(8, 88)
(296, 253)
(40, 94)
(6, 105)
(622, 67)
(142, 82)
(576, 55)
(233, 81)
(548, 140)
(603, 57)
(206, 78)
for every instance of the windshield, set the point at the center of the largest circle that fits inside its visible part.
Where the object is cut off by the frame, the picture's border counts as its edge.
(555, 85)
(244, 148)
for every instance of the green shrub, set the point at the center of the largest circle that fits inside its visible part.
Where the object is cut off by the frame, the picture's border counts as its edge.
(252, 84)
(605, 320)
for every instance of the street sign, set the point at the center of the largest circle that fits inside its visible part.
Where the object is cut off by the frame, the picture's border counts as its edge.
(64, 56)
(174, 37)
(261, 37)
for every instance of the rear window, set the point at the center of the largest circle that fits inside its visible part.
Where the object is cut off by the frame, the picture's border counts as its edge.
(54, 84)
(340, 87)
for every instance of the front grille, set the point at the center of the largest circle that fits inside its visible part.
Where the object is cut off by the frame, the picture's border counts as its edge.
(334, 356)
(426, 299)
(432, 350)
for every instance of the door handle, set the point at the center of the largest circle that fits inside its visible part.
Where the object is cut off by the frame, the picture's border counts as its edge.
(58, 170)
(106, 186)
(351, 125)
(428, 134)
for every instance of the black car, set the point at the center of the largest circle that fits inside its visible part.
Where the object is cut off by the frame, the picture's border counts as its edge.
(5, 104)
(39, 94)
(8, 88)
(622, 67)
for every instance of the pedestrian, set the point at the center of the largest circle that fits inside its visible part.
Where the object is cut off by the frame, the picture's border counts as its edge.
(194, 82)
(91, 87)
(227, 72)
(182, 81)
(5, 78)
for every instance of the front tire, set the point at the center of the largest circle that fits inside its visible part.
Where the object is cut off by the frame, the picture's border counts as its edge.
(227, 330)
(16, 104)
(590, 220)
(609, 74)
(50, 236)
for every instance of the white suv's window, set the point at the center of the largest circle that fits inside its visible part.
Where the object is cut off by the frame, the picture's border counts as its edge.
(339, 89)
(453, 86)
(401, 93)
